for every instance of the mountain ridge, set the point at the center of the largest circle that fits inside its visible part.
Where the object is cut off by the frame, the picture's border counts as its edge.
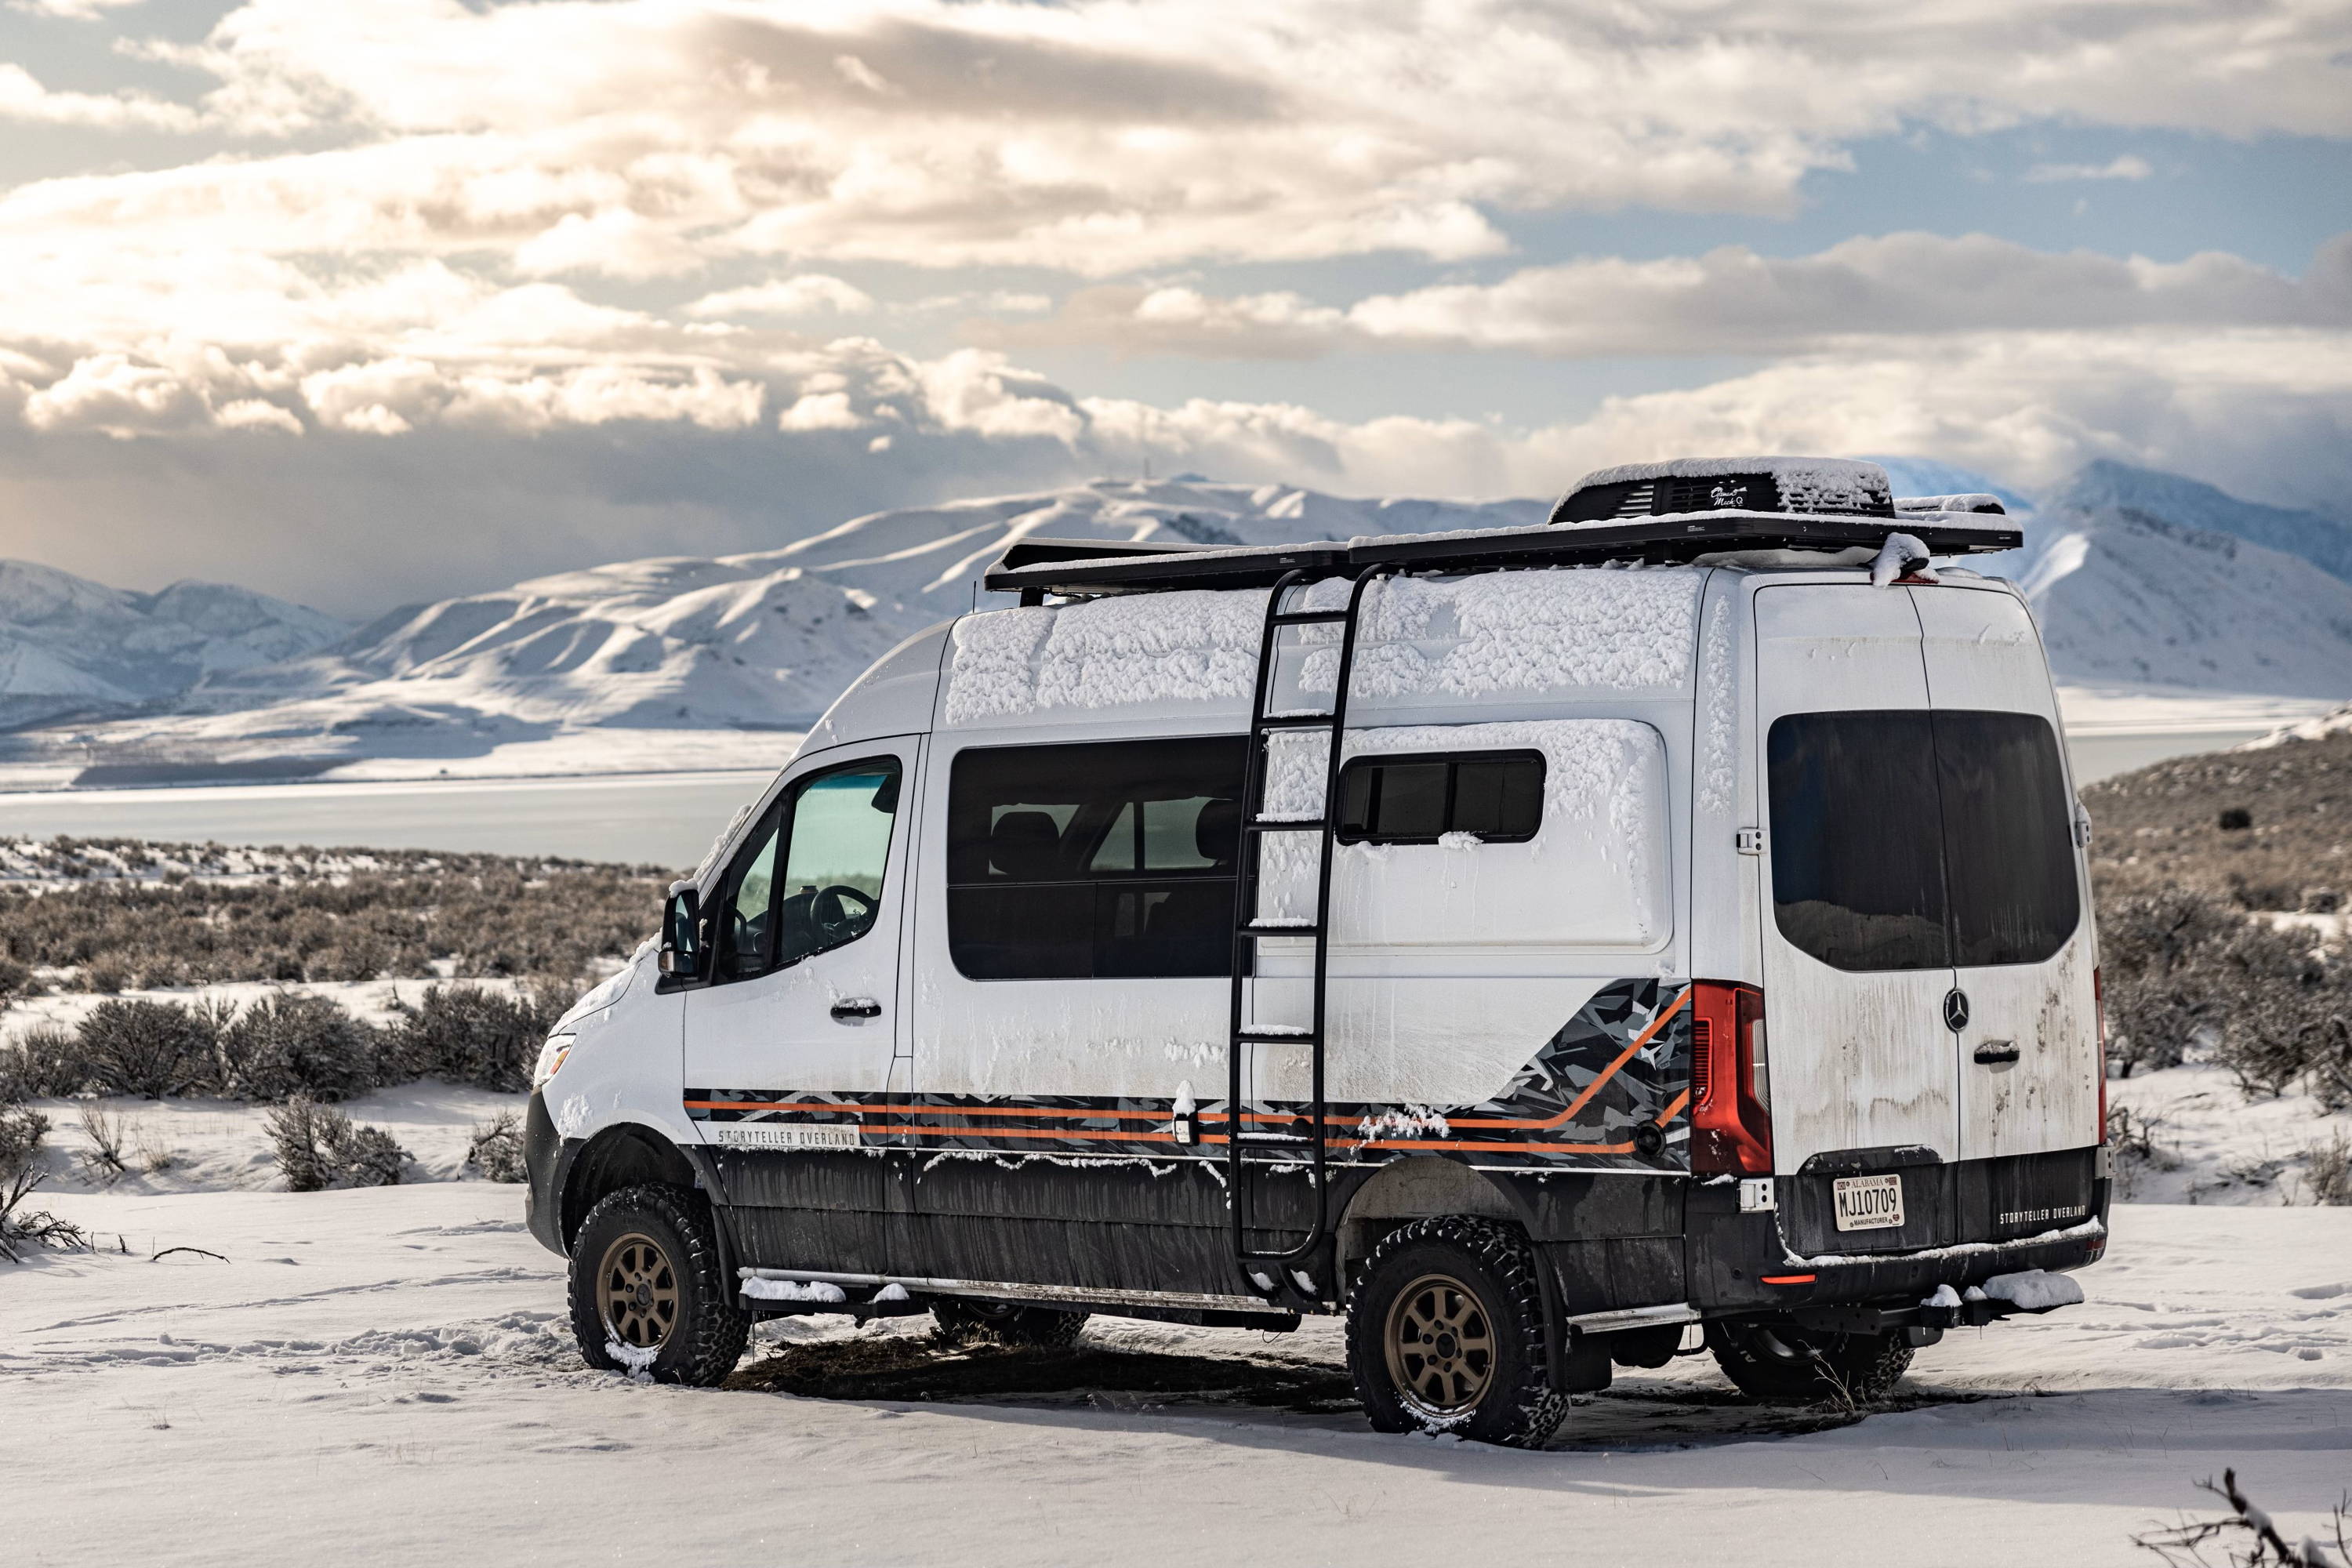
(763, 641)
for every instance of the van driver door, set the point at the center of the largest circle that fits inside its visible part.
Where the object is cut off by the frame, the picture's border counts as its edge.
(801, 1002)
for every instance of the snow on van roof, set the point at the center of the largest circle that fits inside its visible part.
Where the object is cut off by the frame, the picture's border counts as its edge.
(1489, 633)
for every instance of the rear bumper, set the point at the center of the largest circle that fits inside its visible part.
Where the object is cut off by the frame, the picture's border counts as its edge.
(1746, 1263)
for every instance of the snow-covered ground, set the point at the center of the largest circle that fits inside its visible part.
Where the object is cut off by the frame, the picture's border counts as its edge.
(385, 1375)
(2210, 1144)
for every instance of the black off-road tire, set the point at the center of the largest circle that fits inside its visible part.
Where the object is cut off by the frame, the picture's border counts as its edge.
(700, 1335)
(1818, 1368)
(1500, 1394)
(962, 1319)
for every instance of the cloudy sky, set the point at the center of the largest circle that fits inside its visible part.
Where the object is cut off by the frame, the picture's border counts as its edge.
(363, 300)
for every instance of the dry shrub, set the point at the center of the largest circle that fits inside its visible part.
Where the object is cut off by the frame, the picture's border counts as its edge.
(21, 1132)
(464, 1034)
(103, 1159)
(2328, 1172)
(292, 1044)
(319, 1147)
(2185, 973)
(149, 1049)
(496, 1149)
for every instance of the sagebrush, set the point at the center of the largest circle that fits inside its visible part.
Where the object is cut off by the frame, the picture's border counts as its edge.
(286, 1046)
(319, 1147)
(356, 915)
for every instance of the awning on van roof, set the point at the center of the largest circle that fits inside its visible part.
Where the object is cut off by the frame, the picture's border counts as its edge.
(1093, 566)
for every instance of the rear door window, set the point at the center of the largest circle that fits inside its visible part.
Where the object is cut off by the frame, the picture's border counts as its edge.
(1911, 839)
(2009, 837)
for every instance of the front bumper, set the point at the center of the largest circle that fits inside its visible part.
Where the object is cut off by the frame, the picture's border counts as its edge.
(544, 1161)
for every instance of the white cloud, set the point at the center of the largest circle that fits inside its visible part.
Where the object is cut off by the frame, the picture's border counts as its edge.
(2128, 166)
(808, 294)
(642, 138)
(23, 98)
(73, 10)
(1730, 301)
(820, 411)
(257, 413)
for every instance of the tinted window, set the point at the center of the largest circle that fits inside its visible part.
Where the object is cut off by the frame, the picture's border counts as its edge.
(1903, 839)
(1104, 860)
(1414, 800)
(2009, 837)
(832, 833)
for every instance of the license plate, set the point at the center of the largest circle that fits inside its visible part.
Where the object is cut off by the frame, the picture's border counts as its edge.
(1868, 1203)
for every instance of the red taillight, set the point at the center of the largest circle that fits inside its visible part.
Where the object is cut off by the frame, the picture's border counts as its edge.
(1731, 1134)
(2099, 1006)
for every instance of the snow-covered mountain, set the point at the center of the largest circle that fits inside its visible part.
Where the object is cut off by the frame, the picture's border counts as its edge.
(2125, 595)
(70, 648)
(750, 642)
(2147, 579)
(2107, 486)
(2140, 579)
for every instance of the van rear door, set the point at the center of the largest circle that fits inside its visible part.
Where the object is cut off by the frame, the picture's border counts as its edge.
(1856, 958)
(2022, 943)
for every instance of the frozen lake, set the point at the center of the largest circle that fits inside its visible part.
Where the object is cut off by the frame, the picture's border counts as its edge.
(666, 819)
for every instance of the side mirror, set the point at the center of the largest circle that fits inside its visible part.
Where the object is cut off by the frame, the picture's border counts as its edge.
(682, 923)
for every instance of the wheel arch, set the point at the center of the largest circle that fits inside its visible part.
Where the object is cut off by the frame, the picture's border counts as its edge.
(627, 1154)
(1420, 1186)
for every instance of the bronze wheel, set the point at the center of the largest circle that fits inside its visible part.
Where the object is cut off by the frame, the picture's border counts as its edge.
(1439, 1345)
(636, 1292)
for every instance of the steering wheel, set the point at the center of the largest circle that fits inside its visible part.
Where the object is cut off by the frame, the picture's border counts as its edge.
(841, 911)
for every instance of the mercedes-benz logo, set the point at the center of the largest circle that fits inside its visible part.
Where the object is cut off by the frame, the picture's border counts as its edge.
(1956, 1009)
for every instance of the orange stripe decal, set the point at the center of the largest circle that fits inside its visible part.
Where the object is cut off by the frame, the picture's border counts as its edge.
(968, 1113)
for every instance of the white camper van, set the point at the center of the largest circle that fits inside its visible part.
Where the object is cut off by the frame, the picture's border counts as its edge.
(1554, 948)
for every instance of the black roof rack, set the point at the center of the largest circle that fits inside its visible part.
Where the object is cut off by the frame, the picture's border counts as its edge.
(1072, 567)
(1040, 551)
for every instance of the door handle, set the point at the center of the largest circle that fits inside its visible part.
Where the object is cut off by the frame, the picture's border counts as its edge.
(1994, 1052)
(856, 1009)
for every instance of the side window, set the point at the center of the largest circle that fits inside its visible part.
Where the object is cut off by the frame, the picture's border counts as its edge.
(1100, 860)
(835, 857)
(1497, 795)
(812, 878)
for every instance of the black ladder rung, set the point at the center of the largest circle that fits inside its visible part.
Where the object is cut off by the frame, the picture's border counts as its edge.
(1269, 1035)
(1303, 928)
(1307, 618)
(1295, 721)
(1275, 824)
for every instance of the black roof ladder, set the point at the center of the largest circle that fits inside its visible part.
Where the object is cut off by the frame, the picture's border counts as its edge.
(1261, 1141)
